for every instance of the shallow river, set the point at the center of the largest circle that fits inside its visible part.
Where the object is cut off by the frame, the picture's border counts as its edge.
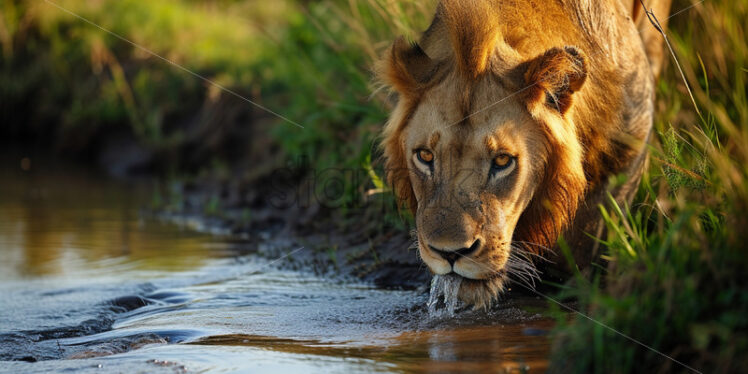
(88, 283)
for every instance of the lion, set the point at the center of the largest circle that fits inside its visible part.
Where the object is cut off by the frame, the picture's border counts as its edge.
(512, 120)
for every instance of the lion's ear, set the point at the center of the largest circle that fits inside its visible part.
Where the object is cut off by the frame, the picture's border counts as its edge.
(406, 67)
(554, 77)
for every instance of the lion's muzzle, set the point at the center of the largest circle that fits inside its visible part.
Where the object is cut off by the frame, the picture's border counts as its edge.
(461, 261)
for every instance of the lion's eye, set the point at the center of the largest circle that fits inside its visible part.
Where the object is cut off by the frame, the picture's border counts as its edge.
(425, 156)
(502, 165)
(424, 161)
(502, 161)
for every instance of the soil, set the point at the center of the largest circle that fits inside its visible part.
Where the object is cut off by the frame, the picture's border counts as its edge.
(351, 244)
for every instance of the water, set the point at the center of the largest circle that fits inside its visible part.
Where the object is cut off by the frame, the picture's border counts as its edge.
(444, 288)
(88, 283)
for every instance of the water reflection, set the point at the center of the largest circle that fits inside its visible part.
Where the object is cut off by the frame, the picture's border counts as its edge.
(499, 348)
(65, 223)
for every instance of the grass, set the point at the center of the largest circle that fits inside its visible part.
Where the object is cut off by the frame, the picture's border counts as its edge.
(674, 276)
(280, 53)
(71, 84)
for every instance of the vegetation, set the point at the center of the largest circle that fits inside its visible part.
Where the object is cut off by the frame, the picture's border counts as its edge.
(676, 262)
(674, 278)
(69, 82)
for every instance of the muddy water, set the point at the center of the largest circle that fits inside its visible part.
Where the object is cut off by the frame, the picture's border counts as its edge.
(88, 283)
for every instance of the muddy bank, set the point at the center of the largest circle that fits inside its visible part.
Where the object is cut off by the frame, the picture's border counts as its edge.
(355, 243)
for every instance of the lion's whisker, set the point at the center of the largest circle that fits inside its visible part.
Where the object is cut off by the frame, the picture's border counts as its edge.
(520, 267)
(526, 281)
(521, 253)
(524, 269)
(535, 254)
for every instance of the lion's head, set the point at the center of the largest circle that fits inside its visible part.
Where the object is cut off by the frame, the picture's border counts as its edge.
(481, 146)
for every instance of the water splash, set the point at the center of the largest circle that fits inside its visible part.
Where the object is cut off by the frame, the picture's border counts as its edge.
(444, 288)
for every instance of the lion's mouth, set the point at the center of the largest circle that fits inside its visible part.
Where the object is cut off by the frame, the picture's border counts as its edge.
(490, 277)
(480, 283)
(448, 288)
(461, 262)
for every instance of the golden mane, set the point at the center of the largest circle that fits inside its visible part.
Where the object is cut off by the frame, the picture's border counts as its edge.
(586, 84)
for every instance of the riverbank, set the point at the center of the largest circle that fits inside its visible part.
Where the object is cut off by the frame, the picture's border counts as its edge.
(356, 243)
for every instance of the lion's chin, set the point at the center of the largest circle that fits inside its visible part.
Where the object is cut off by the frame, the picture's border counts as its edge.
(481, 293)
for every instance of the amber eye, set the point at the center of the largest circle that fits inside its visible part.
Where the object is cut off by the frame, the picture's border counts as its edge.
(502, 163)
(425, 156)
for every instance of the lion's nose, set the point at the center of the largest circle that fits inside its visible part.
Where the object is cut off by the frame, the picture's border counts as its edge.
(452, 256)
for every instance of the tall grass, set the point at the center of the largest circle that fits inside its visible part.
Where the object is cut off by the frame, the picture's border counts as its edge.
(675, 280)
(63, 76)
(68, 81)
